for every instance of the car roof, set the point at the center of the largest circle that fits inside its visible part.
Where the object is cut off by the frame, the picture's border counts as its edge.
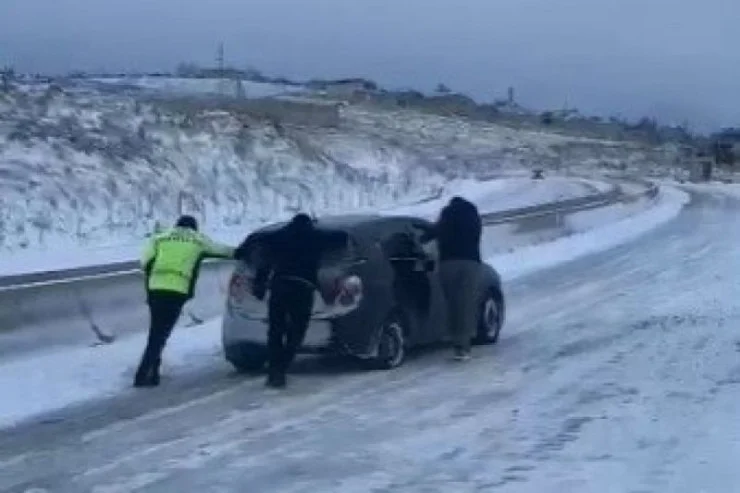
(352, 222)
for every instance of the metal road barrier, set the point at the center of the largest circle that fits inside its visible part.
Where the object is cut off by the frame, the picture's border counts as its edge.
(85, 304)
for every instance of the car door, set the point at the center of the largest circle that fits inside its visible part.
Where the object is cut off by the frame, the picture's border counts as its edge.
(434, 326)
(339, 288)
(414, 286)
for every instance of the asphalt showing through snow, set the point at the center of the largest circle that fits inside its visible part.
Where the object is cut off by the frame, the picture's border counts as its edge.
(616, 372)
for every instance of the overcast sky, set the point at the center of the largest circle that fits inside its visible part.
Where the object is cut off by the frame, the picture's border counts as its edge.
(675, 59)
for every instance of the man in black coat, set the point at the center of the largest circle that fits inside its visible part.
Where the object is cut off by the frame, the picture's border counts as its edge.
(292, 254)
(458, 232)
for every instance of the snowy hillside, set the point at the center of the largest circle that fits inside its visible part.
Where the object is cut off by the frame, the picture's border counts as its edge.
(483, 148)
(83, 166)
(202, 86)
(91, 168)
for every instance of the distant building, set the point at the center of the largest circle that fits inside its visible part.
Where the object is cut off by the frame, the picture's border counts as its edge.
(726, 146)
(343, 87)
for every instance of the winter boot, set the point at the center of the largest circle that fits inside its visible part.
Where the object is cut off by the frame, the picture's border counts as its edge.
(276, 380)
(145, 381)
(147, 376)
(460, 353)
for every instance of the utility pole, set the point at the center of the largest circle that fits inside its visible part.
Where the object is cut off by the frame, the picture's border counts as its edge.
(221, 69)
(220, 59)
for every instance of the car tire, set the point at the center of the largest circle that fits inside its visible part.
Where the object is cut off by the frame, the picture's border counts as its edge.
(391, 343)
(248, 358)
(489, 319)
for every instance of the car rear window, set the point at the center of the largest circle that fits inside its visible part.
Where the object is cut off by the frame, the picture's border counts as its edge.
(341, 256)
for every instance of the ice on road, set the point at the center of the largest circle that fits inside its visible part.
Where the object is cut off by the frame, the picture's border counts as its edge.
(617, 372)
(85, 373)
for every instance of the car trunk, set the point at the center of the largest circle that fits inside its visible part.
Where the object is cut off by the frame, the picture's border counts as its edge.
(338, 292)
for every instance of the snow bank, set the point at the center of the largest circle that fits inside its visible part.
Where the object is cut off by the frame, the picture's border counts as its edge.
(526, 260)
(49, 381)
(54, 380)
(509, 237)
(505, 193)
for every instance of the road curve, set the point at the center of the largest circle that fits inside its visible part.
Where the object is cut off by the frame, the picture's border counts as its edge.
(616, 372)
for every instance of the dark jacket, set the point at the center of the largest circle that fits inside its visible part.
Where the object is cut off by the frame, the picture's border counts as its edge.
(293, 251)
(404, 253)
(457, 231)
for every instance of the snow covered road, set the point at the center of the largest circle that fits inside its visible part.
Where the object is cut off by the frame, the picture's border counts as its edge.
(618, 372)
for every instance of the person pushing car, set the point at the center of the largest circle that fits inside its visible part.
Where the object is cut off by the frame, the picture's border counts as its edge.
(458, 232)
(292, 254)
(171, 262)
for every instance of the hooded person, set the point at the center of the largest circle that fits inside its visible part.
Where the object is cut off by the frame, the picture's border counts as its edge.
(171, 262)
(458, 232)
(289, 264)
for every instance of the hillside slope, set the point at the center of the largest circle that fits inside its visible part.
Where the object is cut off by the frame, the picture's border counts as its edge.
(94, 168)
(81, 166)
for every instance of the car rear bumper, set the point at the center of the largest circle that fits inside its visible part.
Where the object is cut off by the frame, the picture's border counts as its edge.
(237, 331)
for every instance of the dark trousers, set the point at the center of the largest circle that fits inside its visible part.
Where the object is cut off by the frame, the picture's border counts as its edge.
(460, 279)
(289, 311)
(164, 310)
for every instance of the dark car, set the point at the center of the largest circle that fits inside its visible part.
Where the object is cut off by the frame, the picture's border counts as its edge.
(377, 297)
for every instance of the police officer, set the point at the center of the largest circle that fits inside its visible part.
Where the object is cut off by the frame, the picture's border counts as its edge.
(292, 254)
(171, 262)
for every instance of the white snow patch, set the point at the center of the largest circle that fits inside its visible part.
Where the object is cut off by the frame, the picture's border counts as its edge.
(503, 194)
(509, 237)
(54, 380)
(202, 86)
(526, 260)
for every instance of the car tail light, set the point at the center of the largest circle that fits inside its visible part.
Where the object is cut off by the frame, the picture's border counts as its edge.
(238, 287)
(341, 294)
(348, 290)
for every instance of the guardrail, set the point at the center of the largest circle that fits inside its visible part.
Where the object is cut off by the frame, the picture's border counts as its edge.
(72, 305)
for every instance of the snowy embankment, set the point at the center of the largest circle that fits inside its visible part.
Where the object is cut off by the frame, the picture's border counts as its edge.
(82, 169)
(58, 379)
(504, 194)
(85, 174)
(490, 196)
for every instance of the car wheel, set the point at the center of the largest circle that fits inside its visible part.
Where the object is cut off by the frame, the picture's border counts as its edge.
(248, 358)
(489, 319)
(391, 344)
